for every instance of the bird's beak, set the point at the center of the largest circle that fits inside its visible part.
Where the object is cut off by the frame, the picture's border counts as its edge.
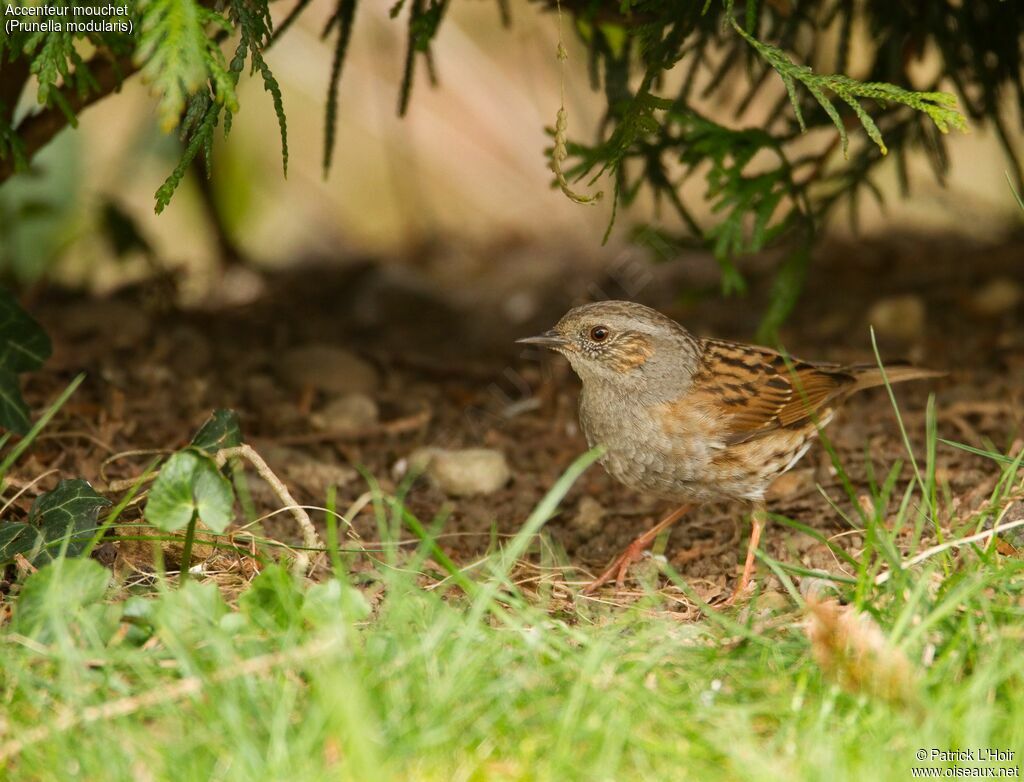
(549, 339)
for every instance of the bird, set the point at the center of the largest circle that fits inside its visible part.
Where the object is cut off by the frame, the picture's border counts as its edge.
(691, 419)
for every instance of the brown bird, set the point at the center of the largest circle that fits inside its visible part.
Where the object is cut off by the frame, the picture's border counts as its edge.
(691, 419)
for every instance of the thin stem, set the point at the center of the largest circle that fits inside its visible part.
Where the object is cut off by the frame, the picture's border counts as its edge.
(186, 553)
(331, 519)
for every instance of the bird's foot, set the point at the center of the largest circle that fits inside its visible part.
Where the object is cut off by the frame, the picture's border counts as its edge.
(619, 568)
(743, 592)
(634, 551)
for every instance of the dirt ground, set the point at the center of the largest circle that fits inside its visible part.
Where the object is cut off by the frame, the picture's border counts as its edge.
(448, 373)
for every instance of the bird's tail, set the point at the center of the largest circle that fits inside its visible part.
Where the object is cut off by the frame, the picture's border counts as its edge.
(870, 375)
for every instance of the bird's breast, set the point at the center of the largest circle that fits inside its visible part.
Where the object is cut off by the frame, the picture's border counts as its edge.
(641, 452)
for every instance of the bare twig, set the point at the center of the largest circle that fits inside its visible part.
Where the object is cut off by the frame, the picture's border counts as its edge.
(931, 552)
(15, 76)
(309, 535)
(126, 483)
(37, 130)
(24, 489)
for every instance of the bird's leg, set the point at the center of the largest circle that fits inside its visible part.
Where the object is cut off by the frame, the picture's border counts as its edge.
(633, 552)
(757, 520)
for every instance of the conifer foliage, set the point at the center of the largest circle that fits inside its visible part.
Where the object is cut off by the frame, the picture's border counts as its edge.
(646, 56)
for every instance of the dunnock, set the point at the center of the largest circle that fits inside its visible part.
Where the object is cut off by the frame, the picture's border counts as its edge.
(692, 419)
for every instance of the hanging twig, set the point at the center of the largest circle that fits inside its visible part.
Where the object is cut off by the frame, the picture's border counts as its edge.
(560, 152)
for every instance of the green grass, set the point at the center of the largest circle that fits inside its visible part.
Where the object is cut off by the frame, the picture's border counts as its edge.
(419, 673)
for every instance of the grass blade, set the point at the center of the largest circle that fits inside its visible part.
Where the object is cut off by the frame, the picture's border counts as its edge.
(44, 419)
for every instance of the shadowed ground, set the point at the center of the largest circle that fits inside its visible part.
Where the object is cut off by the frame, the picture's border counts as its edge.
(441, 369)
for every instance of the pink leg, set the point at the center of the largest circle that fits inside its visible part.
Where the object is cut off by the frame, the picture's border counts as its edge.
(757, 520)
(633, 552)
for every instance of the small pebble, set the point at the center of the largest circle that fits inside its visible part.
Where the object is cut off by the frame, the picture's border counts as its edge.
(813, 588)
(997, 296)
(899, 317)
(774, 601)
(349, 412)
(328, 369)
(313, 474)
(460, 473)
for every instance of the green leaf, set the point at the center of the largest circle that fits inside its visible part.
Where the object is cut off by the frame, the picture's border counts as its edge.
(19, 448)
(273, 600)
(70, 511)
(178, 57)
(220, 431)
(256, 26)
(17, 538)
(65, 595)
(190, 483)
(994, 455)
(940, 107)
(24, 345)
(327, 601)
(188, 616)
(14, 413)
(345, 15)
(794, 100)
(197, 141)
(869, 124)
(789, 282)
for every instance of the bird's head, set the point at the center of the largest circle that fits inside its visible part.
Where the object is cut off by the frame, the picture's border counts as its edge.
(622, 343)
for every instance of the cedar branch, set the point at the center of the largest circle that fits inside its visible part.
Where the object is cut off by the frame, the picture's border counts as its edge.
(37, 130)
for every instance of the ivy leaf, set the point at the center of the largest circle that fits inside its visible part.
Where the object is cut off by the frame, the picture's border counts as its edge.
(220, 431)
(24, 346)
(70, 511)
(13, 410)
(17, 538)
(190, 483)
(23, 343)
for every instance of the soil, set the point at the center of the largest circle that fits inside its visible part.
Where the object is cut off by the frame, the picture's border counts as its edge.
(450, 375)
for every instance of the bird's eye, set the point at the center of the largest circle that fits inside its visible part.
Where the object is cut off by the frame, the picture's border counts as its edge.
(599, 333)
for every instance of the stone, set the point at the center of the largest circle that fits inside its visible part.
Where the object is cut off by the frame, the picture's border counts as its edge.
(774, 601)
(997, 296)
(326, 368)
(296, 467)
(899, 317)
(346, 413)
(465, 472)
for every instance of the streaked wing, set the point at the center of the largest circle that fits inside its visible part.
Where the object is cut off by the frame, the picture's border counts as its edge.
(756, 390)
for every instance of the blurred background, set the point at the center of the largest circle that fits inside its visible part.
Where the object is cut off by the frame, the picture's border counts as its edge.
(461, 179)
